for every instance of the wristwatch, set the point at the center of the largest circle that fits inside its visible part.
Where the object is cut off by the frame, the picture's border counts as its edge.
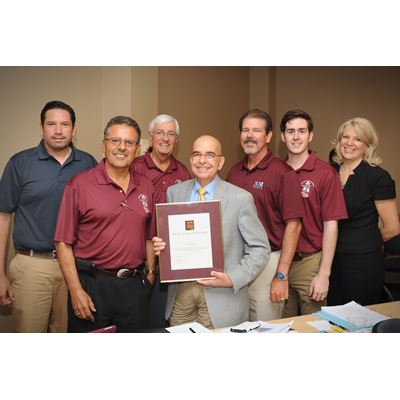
(281, 276)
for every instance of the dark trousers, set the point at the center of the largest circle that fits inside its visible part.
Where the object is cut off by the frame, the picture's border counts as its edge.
(122, 302)
(158, 304)
(358, 277)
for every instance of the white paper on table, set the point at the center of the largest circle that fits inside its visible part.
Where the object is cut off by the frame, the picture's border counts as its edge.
(190, 248)
(355, 314)
(185, 328)
(246, 326)
(261, 327)
(267, 327)
(320, 325)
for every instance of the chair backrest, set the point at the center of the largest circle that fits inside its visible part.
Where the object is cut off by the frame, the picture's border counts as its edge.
(392, 246)
(391, 325)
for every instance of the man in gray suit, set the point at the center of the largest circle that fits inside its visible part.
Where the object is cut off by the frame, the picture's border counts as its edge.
(223, 300)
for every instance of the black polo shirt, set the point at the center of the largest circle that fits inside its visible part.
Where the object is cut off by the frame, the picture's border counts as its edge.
(360, 232)
(32, 186)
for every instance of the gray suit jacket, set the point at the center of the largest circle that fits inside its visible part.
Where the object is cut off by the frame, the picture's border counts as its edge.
(246, 252)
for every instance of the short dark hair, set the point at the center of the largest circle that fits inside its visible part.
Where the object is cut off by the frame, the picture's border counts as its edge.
(256, 113)
(57, 104)
(122, 120)
(293, 114)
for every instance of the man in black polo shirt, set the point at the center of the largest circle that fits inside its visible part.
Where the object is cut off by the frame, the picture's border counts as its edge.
(31, 188)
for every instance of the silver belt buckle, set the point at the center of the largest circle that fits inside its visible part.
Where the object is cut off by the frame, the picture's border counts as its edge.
(54, 253)
(123, 273)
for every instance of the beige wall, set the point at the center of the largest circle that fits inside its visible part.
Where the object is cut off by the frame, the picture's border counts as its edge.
(331, 95)
(95, 93)
(203, 99)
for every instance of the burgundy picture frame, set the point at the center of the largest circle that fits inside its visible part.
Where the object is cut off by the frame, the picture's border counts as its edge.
(163, 210)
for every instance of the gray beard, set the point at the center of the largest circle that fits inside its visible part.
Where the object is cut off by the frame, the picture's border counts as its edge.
(250, 151)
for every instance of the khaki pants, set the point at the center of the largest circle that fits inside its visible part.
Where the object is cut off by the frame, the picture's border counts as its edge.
(260, 306)
(300, 276)
(40, 293)
(190, 305)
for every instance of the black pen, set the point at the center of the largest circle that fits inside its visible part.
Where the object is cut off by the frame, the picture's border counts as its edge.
(192, 330)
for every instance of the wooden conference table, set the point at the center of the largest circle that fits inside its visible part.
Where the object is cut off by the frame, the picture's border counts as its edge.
(391, 309)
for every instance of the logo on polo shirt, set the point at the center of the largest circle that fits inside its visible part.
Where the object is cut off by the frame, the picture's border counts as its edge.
(258, 185)
(178, 181)
(306, 187)
(145, 202)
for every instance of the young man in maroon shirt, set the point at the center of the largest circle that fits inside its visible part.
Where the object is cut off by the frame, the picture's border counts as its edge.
(102, 237)
(279, 208)
(324, 205)
(164, 170)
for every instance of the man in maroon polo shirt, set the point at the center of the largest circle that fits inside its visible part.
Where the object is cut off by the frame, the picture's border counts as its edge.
(279, 207)
(324, 205)
(102, 237)
(164, 170)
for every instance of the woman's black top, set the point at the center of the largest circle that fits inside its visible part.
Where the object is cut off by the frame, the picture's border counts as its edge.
(360, 232)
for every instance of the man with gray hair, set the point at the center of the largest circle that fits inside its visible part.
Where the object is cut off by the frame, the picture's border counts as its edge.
(103, 227)
(164, 170)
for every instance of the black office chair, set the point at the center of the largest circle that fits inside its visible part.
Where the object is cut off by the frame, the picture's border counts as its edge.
(391, 325)
(392, 246)
(392, 269)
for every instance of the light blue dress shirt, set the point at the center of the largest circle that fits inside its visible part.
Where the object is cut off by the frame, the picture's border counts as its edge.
(211, 187)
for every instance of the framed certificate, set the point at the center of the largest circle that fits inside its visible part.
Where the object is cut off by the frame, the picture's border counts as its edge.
(193, 235)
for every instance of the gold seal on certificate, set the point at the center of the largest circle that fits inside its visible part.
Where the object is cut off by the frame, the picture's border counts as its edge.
(193, 235)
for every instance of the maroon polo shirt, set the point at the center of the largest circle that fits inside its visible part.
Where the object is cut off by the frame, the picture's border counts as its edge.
(162, 180)
(274, 187)
(102, 223)
(323, 199)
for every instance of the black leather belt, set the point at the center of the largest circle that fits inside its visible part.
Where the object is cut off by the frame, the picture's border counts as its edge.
(41, 254)
(121, 273)
(299, 256)
(124, 272)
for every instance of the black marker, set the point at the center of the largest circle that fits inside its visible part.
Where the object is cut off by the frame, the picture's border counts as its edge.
(192, 330)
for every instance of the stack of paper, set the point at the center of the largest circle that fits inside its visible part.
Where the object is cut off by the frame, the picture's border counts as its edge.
(192, 327)
(351, 316)
(258, 327)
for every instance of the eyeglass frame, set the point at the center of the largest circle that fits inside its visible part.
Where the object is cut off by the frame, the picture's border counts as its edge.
(117, 142)
(209, 155)
(170, 134)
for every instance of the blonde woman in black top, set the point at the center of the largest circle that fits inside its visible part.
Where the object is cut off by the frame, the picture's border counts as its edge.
(370, 195)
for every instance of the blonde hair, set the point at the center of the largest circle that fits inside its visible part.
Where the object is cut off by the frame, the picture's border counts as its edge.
(365, 131)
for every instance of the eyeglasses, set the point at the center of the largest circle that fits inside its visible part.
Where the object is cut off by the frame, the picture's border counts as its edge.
(208, 156)
(117, 141)
(170, 134)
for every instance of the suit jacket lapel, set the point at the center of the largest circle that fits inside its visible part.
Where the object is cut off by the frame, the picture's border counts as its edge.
(189, 189)
(221, 193)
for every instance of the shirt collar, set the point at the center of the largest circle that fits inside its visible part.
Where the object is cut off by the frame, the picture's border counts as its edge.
(211, 187)
(310, 163)
(263, 164)
(151, 164)
(103, 178)
(43, 154)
